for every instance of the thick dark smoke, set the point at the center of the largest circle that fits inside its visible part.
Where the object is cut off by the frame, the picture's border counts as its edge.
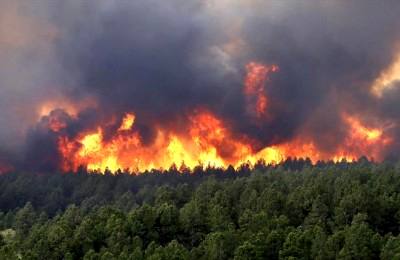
(165, 59)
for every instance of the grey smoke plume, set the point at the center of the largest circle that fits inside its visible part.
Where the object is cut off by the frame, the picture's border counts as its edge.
(164, 59)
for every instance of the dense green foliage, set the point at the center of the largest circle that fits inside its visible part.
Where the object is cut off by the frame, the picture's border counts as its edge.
(291, 211)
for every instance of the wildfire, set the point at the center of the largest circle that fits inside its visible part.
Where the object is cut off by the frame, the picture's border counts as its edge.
(363, 139)
(206, 139)
(207, 142)
(204, 145)
(358, 131)
(127, 122)
(254, 86)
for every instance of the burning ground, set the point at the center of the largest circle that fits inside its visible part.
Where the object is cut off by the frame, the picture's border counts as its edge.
(141, 85)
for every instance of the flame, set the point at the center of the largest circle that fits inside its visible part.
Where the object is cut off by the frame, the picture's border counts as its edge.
(254, 86)
(208, 140)
(202, 146)
(127, 122)
(364, 139)
(359, 131)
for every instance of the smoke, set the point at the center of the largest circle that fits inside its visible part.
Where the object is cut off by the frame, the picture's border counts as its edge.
(30, 72)
(165, 59)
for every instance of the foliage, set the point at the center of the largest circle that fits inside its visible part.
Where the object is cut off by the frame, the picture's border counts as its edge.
(289, 211)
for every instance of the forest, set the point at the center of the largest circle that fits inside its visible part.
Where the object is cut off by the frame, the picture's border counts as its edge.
(294, 210)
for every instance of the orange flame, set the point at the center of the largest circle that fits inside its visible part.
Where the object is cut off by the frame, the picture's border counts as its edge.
(363, 139)
(254, 86)
(202, 146)
(127, 122)
(208, 140)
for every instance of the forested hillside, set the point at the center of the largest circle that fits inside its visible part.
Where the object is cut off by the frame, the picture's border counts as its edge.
(290, 211)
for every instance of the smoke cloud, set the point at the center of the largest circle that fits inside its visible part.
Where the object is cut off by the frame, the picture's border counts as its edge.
(163, 60)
